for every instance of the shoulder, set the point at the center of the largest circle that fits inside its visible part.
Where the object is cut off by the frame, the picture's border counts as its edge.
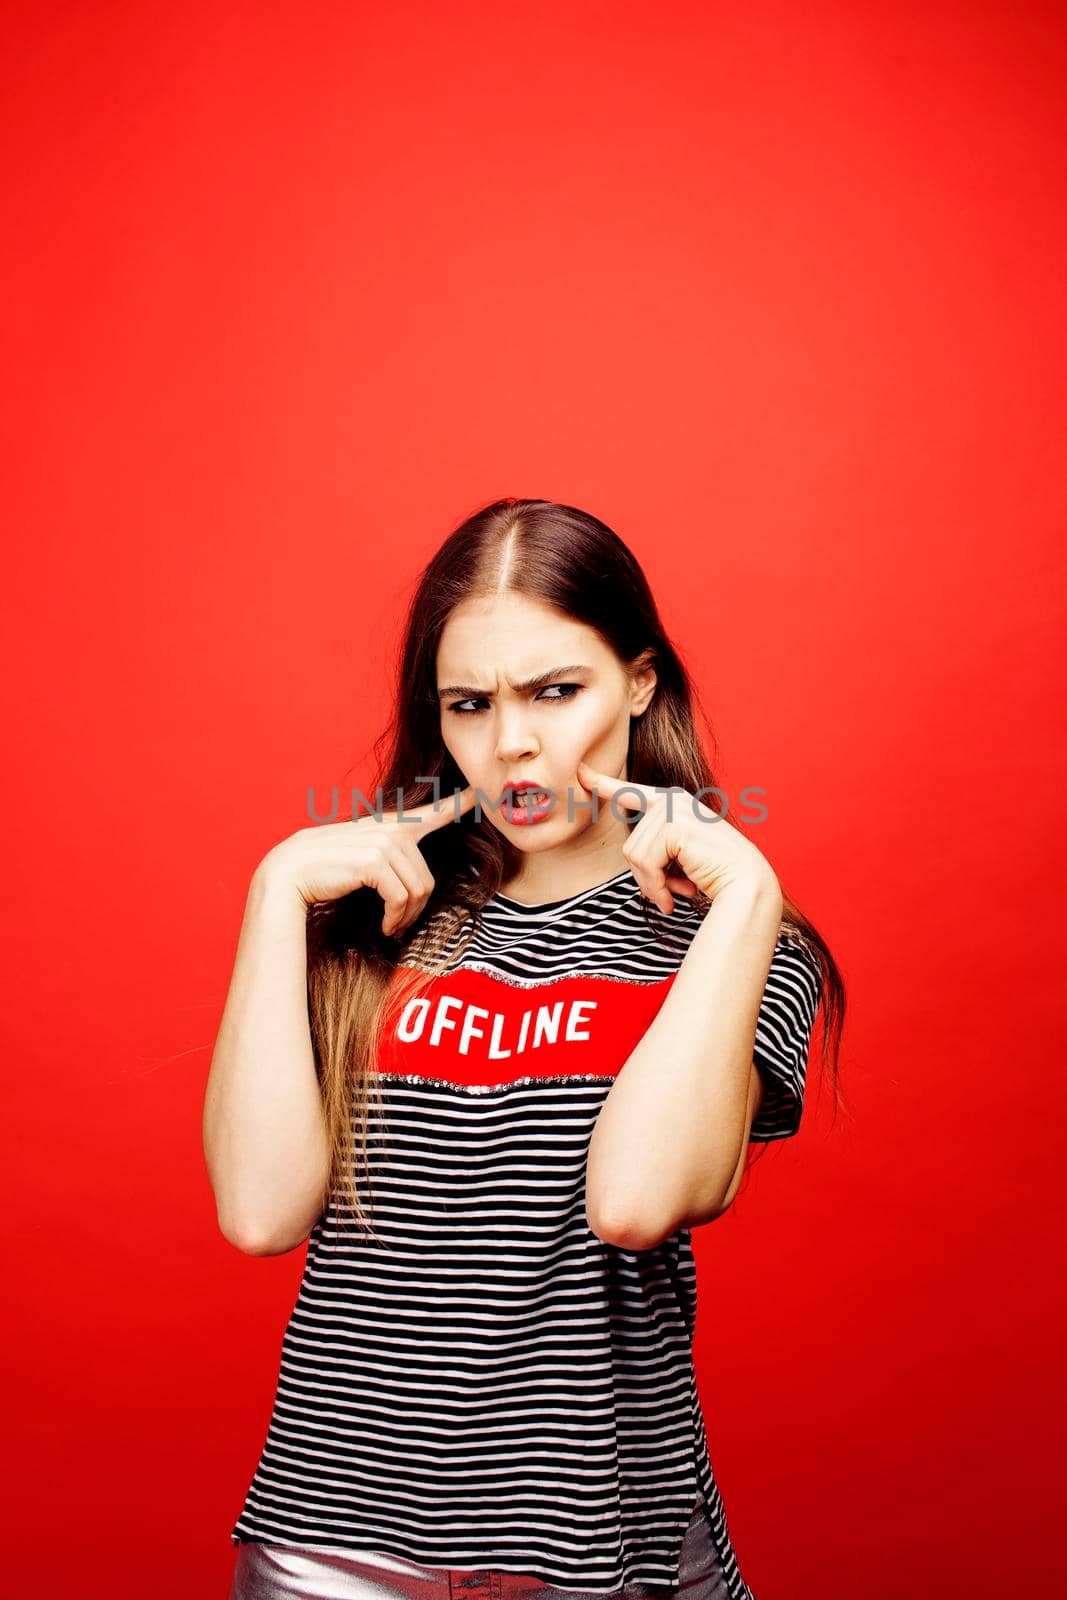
(795, 951)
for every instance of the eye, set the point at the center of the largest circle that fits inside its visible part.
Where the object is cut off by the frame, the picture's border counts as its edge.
(462, 707)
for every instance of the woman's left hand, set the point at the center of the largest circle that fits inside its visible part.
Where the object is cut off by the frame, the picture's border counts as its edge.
(708, 851)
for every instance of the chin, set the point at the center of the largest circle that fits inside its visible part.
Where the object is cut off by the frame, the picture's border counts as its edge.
(533, 837)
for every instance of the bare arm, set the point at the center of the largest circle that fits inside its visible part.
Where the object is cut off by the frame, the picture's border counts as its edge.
(669, 1143)
(265, 1136)
(264, 1131)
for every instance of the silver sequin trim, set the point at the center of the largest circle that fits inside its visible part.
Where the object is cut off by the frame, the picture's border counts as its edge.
(497, 1088)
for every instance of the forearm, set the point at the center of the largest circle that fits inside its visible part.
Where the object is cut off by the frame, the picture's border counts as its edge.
(672, 1131)
(263, 1126)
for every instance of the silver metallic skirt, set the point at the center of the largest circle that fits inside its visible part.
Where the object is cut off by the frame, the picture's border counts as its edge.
(324, 1572)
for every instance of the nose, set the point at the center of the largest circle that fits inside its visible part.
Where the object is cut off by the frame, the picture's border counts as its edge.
(515, 740)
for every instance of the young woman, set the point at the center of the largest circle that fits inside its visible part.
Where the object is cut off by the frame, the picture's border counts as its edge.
(496, 1055)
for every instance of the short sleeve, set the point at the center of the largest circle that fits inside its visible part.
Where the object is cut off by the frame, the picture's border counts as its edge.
(783, 1036)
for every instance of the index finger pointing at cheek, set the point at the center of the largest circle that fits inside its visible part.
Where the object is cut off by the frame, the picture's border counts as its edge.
(438, 813)
(634, 796)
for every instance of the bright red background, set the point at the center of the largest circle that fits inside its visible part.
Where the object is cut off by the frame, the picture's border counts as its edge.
(776, 291)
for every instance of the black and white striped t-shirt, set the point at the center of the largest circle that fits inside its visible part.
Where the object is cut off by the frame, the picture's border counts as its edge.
(486, 1384)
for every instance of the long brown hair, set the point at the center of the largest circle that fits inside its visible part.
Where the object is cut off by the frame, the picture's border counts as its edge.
(569, 559)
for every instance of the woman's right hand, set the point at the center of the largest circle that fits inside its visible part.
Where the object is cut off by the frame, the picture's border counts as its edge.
(335, 858)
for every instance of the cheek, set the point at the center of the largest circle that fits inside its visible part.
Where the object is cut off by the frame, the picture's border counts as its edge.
(601, 728)
(453, 742)
(463, 740)
(598, 737)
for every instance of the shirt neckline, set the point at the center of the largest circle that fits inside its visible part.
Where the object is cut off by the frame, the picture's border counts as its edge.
(553, 905)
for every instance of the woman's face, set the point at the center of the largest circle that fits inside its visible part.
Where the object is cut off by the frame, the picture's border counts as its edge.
(499, 728)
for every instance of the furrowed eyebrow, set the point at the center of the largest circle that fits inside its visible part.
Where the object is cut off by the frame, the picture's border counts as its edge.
(465, 691)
